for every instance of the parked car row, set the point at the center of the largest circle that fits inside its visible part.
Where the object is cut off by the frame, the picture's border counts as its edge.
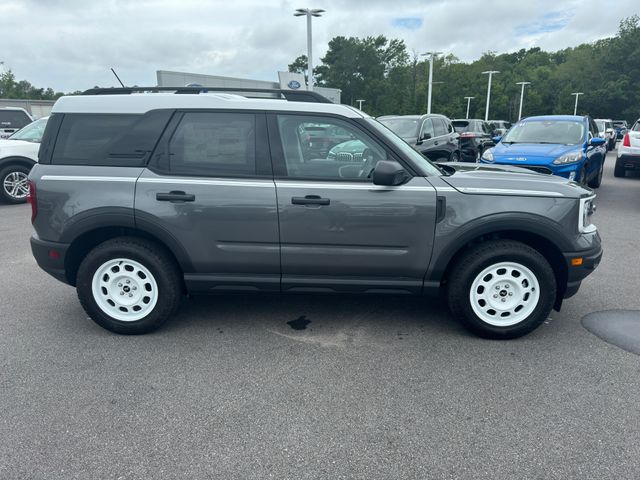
(628, 151)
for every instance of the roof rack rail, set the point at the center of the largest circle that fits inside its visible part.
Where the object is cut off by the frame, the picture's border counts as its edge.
(289, 95)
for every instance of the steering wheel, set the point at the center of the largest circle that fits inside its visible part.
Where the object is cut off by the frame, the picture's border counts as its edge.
(368, 163)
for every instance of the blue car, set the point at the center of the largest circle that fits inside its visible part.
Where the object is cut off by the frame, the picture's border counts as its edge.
(564, 145)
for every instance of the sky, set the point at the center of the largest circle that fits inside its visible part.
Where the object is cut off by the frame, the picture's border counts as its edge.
(70, 45)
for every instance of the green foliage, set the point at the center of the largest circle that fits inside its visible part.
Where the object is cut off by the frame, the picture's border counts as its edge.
(10, 88)
(391, 81)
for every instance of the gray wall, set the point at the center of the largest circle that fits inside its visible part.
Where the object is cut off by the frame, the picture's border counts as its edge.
(37, 108)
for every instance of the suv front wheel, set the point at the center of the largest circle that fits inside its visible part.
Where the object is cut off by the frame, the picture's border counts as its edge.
(129, 285)
(501, 289)
(14, 185)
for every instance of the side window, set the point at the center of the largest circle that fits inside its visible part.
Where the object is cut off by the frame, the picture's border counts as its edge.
(213, 144)
(342, 152)
(83, 138)
(439, 127)
(427, 127)
(486, 128)
(449, 126)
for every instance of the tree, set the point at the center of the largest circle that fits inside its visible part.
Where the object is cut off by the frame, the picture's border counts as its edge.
(10, 88)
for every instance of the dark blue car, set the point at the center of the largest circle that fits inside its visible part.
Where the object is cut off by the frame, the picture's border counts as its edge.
(564, 145)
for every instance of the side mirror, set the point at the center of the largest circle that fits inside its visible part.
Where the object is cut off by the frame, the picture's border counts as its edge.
(497, 138)
(389, 173)
(596, 141)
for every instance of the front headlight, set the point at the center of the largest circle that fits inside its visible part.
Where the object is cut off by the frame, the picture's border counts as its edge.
(487, 155)
(587, 209)
(572, 157)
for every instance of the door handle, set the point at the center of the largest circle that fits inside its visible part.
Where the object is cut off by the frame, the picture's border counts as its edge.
(310, 200)
(175, 197)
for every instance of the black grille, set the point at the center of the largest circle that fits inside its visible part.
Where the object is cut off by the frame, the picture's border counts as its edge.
(538, 169)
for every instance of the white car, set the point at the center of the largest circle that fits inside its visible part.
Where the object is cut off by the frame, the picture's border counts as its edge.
(13, 119)
(18, 154)
(629, 151)
(607, 131)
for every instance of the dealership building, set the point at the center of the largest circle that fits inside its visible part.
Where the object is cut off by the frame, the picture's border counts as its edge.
(287, 81)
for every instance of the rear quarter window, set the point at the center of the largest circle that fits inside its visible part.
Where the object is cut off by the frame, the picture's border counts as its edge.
(108, 139)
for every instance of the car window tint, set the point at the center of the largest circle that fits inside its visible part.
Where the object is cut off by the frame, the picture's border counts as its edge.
(13, 119)
(212, 144)
(344, 153)
(439, 127)
(427, 127)
(82, 137)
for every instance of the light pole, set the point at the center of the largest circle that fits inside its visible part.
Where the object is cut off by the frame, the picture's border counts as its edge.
(468, 105)
(360, 102)
(575, 108)
(486, 112)
(316, 12)
(521, 96)
(432, 55)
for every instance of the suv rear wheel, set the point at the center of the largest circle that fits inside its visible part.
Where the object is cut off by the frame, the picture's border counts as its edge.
(501, 289)
(13, 184)
(129, 285)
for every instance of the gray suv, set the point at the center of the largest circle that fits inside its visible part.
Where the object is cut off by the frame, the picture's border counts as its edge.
(141, 196)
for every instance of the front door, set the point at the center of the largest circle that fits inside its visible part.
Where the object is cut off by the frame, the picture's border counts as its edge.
(209, 192)
(339, 231)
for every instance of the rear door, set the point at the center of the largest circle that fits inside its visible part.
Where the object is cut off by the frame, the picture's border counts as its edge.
(338, 231)
(209, 190)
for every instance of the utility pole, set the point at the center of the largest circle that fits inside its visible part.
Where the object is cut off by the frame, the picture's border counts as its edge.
(431, 55)
(575, 108)
(300, 12)
(486, 112)
(521, 96)
(468, 105)
(360, 102)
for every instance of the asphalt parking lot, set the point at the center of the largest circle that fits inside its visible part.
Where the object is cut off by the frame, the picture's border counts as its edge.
(373, 387)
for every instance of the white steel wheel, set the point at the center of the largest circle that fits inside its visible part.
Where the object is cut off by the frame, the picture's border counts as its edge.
(124, 289)
(504, 294)
(16, 185)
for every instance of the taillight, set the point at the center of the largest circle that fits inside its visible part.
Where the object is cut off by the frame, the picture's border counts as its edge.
(467, 135)
(32, 199)
(627, 141)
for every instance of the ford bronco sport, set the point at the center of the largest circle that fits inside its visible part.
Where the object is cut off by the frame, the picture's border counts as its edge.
(142, 196)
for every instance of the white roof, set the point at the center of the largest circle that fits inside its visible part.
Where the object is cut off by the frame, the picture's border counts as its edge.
(144, 102)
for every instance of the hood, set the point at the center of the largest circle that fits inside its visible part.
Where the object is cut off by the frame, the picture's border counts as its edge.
(350, 146)
(476, 179)
(19, 147)
(530, 153)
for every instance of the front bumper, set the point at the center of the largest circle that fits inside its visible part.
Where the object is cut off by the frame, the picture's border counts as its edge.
(50, 257)
(579, 266)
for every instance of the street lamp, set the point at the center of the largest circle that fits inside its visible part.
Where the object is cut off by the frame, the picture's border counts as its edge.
(432, 55)
(468, 105)
(521, 96)
(486, 112)
(309, 13)
(360, 102)
(577, 94)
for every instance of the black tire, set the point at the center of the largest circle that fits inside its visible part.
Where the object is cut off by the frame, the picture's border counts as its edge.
(455, 157)
(6, 172)
(596, 181)
(619, 170)
(472, 263)
(163, 270)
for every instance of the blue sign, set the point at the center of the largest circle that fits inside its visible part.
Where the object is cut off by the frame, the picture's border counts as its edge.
(293, 84)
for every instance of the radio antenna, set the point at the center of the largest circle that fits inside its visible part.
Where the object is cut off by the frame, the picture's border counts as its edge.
(114, 72)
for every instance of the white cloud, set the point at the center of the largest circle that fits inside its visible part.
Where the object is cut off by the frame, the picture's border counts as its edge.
(70, 44)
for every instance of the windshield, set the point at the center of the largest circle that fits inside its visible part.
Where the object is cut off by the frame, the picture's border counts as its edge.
(405, 127)
(32, 132)
(13, 119)
(404, 147)
(565, 132)
(466, 126)
(600, 125)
